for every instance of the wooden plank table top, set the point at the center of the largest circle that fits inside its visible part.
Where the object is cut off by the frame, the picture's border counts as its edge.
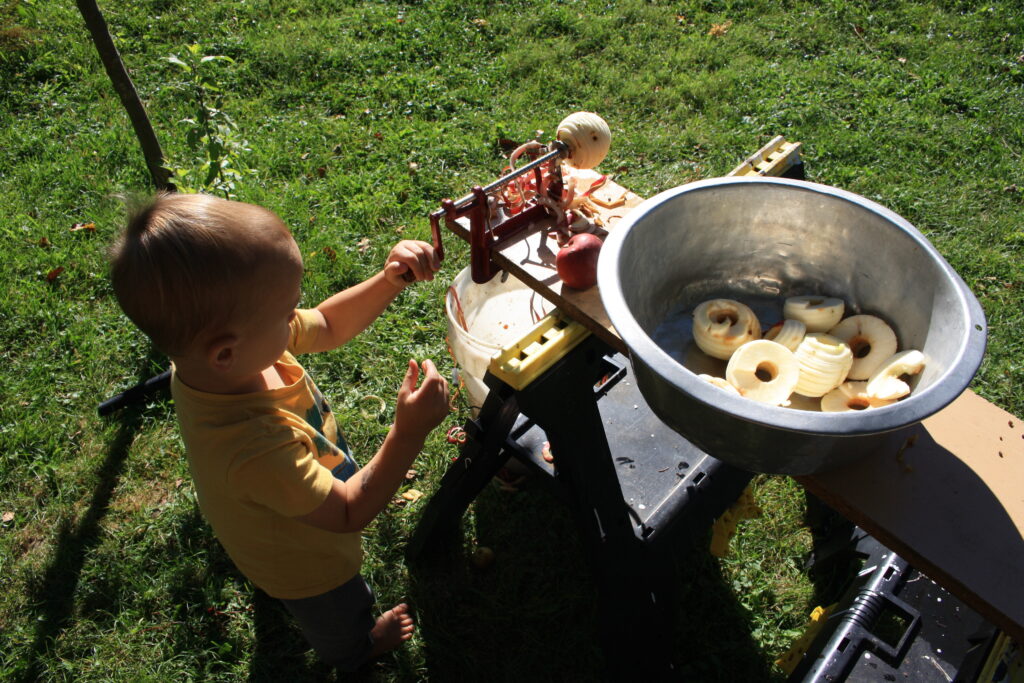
(947, 494)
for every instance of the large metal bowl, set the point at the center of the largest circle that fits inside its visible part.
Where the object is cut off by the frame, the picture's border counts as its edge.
(759, 241)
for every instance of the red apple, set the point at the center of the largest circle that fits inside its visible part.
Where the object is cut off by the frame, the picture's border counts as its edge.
(577, 260)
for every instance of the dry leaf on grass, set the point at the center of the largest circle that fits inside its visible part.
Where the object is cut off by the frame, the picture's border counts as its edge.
(720, 29)
(363, 245)
(412, 495)
(8, 517)
(54, 274)
(90, 227)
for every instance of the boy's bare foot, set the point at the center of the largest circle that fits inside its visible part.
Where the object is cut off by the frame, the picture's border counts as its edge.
(393, 628)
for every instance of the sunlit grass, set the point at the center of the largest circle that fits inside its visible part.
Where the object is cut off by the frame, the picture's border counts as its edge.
(106, 570)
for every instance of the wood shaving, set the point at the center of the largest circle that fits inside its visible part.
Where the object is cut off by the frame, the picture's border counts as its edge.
(412, 495)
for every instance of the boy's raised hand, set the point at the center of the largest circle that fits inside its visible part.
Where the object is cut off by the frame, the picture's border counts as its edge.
(413, 257)
(420, 409)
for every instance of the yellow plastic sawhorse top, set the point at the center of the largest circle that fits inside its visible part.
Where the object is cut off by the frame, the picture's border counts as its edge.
(542, 346)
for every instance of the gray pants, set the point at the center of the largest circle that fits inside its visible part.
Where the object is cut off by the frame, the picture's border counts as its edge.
(337, 623)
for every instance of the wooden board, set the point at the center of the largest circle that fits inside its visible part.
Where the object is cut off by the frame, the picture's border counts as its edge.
(951, 503)
(532, 261)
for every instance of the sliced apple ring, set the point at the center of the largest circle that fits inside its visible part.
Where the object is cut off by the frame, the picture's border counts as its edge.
(871, 340)
(789, 333)
(720, 326)
(720, 383)
(764, 371)
(850, 396)
(819, 313)
(885, 382)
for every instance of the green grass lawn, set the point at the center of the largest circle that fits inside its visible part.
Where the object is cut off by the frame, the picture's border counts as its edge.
(358, 118)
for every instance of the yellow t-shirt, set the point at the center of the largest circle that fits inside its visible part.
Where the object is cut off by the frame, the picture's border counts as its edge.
(258, 460)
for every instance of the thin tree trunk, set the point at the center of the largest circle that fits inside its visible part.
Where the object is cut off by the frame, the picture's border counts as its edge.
(101, 37)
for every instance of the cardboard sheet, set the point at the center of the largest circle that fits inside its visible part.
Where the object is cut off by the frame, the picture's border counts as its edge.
(947, 495)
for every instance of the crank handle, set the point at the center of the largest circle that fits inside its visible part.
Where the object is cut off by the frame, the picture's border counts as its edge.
(435, 231)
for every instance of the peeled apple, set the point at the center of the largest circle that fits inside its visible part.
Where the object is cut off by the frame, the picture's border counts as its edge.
(588, 137)
(576, 262)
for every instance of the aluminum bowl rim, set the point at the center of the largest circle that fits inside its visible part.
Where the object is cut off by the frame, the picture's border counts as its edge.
(877, 420)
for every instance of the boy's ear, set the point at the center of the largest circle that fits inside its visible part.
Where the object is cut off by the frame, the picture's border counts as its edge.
(220, 352)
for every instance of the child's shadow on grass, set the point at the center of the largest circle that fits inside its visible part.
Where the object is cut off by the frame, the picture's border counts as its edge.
(279, 652)
(55, 594)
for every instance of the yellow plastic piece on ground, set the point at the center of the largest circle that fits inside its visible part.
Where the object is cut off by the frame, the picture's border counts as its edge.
(724, 527)
(788, 661)
(520, 363)
(1005, 663)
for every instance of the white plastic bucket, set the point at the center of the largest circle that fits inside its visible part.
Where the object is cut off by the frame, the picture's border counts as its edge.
(495, 314)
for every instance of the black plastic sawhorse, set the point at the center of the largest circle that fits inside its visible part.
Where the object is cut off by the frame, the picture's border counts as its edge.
(632, 483)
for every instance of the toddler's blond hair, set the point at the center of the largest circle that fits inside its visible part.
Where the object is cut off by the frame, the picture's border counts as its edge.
(188, 263)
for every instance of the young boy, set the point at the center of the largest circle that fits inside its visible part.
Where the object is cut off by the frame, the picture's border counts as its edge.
(215, 285)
